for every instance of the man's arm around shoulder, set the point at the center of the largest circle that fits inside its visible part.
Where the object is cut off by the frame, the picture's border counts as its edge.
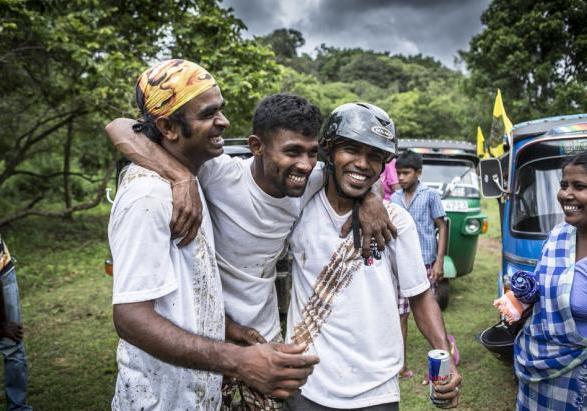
(187, 205)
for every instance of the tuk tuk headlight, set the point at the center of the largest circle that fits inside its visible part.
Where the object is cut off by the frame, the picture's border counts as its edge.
(472, 226)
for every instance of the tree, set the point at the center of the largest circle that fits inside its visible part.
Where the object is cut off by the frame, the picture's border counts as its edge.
(425, 98)
(535, 52)
(325, 96)
(70, 67)
(284, 42)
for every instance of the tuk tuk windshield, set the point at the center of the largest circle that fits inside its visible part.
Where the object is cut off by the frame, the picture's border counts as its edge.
(451, 178)
(535, 208)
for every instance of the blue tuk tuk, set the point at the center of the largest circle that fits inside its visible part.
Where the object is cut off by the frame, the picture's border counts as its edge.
(525, 180)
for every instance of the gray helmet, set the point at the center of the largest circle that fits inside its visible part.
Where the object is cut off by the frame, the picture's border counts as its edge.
(362, 122)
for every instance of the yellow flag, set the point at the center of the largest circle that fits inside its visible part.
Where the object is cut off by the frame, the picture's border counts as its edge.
(500, 126)
(481, 152)
(499, 111)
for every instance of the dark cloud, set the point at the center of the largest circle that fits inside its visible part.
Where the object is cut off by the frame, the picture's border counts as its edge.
(438, 28)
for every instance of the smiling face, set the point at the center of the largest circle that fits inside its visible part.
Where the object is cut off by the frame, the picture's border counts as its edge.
(201, 133)
(572, 195)
(288, 158)
(356, 167)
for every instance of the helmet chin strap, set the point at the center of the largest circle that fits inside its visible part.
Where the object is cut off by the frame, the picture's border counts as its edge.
(356, 203)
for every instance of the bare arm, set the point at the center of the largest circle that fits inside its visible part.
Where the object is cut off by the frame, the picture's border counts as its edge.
(430, 323)
(438, 267)
(187, 206)
(429, 319)
(278, 370)
(240, 334)
(140, 150)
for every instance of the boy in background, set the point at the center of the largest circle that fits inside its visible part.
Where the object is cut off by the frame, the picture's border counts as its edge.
(425, 207)
(335, 293)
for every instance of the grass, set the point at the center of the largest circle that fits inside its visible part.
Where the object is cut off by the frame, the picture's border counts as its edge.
(71, 342)
(69, 336)
(490, 208)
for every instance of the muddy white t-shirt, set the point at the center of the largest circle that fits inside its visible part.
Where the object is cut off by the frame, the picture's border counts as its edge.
(184, 284)
(250, 231)
(347, 311)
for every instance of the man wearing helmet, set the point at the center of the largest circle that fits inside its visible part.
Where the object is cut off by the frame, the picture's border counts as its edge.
(345, 307)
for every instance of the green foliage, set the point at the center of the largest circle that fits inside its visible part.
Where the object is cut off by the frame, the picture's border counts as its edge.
(325, 96)
(284, 43)
(425, 99)
(536, 52)
(441, 110)
(71, 67)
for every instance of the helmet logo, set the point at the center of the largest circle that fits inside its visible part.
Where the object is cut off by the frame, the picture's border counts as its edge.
(382, 131)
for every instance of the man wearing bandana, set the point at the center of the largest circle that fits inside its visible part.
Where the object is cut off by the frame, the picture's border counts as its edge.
(167, 300)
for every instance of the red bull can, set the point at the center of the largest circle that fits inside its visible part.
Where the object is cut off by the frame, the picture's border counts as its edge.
(438, 371)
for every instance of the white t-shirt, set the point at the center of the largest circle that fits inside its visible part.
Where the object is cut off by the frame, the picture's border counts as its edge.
(184, 284)
(250, 230)
(347, 311)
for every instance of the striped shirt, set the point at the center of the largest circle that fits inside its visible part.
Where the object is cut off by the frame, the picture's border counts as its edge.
(424, 208)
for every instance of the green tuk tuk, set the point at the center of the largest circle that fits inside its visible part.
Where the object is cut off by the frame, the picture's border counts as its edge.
(450, 168)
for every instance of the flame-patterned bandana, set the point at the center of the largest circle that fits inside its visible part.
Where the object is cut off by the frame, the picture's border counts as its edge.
(170, 84)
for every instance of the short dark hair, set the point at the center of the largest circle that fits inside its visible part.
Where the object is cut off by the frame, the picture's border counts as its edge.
(148, 127)
(285, 111)
(409, 159)
(576, 160)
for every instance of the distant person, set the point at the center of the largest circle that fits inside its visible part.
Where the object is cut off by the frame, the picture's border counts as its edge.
(168, 306)
(344, 306)
(389, 180)
(425, 207)
(551, 349)
(11, 345)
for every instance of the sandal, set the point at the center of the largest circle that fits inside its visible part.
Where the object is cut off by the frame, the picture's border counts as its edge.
(425, 380)
(454, 350)
(406, 374)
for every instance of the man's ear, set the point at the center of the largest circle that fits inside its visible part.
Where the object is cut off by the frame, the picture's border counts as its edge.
(256, 145)
(168, 129)
(419, 173)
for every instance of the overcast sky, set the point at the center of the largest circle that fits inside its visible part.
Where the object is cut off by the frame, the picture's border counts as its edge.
(438, 28)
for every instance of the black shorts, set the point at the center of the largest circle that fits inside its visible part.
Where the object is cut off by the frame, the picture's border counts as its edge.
(299, 403)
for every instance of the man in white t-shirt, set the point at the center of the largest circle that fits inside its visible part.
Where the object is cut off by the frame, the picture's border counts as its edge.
(167, 301)
(254, 204)
(345, 307)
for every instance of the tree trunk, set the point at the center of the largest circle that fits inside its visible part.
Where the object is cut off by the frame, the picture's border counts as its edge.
(67, 169)
(31, 210)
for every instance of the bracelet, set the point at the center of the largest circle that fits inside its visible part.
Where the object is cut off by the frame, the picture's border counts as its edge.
(184, 181)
